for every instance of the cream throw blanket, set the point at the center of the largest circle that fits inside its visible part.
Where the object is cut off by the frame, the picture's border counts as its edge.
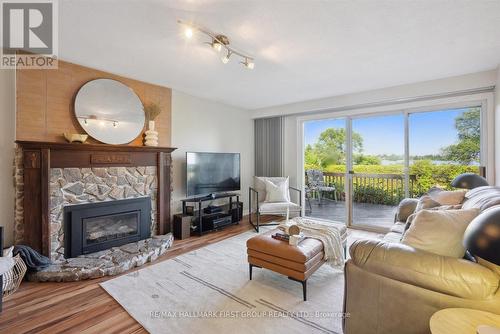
(326, 233)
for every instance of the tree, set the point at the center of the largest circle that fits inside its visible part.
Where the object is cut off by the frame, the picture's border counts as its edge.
(468, 147)
(465, 151)
(361, 159)
(331, 147)
(469, 124)
(311, 158)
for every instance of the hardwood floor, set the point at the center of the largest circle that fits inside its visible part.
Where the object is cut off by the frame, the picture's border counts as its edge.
(84, 307)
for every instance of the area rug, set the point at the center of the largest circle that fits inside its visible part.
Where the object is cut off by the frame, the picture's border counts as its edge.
(208, 291)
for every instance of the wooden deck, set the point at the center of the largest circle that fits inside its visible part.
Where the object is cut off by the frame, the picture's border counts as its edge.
(367, 215)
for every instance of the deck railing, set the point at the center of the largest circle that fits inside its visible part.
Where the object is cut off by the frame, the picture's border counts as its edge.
(370, 188)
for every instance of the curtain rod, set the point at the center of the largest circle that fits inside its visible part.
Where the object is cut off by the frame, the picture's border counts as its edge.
(390, 102)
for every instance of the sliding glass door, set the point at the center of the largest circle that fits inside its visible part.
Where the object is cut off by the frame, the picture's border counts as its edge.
(442, 145)
(325, 158)
(359, 168)
(377, 174)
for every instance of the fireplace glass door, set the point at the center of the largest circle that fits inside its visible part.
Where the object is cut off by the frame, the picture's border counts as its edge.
(111, 227)
(93, 227)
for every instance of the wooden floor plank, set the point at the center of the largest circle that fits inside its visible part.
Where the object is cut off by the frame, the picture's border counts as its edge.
(84, 307)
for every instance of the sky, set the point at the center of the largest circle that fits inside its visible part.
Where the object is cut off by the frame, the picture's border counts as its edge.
(429, 132)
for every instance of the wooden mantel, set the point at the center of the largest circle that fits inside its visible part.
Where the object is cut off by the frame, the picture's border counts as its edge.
(39, 157)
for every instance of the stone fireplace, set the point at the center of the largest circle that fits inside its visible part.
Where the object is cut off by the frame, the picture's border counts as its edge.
(94, 227)
(117, 198)
(70, 186)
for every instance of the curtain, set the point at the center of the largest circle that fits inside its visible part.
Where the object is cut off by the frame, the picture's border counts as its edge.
(269, 146)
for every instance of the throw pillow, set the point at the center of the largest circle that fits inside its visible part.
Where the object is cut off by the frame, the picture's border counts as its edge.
(439, 207)
(406, 208)
(8, 252)
(445, 197)
(439, 231)
(426, 202)
(448, 207)
(277, 191)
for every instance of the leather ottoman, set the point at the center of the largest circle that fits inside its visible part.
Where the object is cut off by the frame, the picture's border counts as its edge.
(296, 262)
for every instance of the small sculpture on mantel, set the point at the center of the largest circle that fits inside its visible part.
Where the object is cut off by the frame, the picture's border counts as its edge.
(152, 111)
(75, 137)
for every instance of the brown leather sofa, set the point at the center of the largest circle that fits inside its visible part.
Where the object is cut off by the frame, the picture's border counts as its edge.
(394, 288)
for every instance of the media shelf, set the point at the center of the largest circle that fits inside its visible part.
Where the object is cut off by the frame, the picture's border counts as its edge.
(207, 222)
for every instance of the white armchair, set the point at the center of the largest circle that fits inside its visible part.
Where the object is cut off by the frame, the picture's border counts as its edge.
(257, 196)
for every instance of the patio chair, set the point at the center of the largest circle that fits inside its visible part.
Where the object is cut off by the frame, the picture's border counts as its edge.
(270, 208)
(307, 196)
(316, 183)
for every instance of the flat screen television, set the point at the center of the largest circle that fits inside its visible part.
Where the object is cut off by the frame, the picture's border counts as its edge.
(210, 173)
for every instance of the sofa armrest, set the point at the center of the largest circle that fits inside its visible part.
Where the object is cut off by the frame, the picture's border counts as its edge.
(451, 276)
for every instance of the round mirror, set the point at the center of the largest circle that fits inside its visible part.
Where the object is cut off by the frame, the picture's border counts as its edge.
(109, 111)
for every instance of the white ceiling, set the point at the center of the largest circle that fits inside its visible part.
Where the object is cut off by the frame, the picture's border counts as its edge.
(304, 49)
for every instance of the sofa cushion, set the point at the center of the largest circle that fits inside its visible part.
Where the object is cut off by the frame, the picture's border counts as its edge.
(445, 197)
(393, 237)
(439, 231)
(398, 227)
(278, 207)
(482, 198)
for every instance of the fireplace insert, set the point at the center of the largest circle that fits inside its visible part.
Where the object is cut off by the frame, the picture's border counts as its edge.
(92, 227)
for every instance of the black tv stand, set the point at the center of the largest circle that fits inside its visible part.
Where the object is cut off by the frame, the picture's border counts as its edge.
(210, 197)
(200, 214)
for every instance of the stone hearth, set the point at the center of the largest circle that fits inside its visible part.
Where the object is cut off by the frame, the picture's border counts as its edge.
(109, 262)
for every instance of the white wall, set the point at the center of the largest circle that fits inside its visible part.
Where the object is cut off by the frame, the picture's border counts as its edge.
(7, 137)
(203, 125)
(322, 108)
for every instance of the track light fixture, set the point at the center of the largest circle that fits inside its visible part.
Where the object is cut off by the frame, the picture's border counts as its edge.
(218, 42)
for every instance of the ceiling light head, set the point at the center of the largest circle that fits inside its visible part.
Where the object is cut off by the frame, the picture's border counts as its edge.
(225, 59)
(248, 63)
(216, 46)
(219, 41)
(188, 32)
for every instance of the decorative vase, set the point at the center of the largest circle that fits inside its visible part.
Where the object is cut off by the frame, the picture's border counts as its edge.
(151, 137)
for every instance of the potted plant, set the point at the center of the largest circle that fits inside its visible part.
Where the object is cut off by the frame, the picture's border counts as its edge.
(151, 110)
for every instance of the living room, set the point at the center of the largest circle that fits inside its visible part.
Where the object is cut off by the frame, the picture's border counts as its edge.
(265, 166)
